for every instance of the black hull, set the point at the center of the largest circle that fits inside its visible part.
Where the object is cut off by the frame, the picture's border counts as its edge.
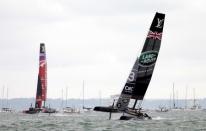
(135, 117)
(133, 114)
(126, 118)
(32, 110)
(105, 109)
(49, 112)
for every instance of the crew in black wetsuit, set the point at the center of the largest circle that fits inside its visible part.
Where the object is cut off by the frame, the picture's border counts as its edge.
(145, 115)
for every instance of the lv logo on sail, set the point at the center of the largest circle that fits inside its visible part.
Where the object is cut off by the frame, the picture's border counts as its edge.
(159, 23)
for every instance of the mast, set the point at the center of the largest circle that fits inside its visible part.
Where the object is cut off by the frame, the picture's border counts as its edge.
(83, 95)
(177, 105)
(173, 96)
(186, 97)
(194, 101)
(170, 102)
(141, 73)
(100, 97)
(1, 99)
(2, 104)
(134, 104)
(66, 94)
(7, 98)
(62, 98)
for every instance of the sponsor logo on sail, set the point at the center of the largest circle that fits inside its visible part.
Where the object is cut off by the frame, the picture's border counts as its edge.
(148, 58)
(159, 23)
(128, 89)
(42, 63)
(131, 76)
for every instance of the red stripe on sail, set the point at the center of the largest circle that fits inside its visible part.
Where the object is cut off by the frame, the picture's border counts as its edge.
(43, 77)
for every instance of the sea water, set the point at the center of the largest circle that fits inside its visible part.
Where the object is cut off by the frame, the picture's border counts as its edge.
(97, 121)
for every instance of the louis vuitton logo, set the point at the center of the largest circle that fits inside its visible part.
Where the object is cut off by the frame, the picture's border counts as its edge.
(159, 23)
(42, 49)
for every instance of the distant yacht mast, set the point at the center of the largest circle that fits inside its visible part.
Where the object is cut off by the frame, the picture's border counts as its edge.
(66, 95)
(186, 97)
(177, 102)
(174, 106)
(7, 98)
(100, 97)
(62, 99)
(194, 101)
(83, 95)
(2, 99)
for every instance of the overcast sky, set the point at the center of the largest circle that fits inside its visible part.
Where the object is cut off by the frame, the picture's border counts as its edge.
(98, 41)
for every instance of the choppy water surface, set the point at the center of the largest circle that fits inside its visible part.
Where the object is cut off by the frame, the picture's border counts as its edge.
(93, 121)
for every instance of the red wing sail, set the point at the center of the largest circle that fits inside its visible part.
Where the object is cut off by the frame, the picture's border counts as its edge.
(42, 78)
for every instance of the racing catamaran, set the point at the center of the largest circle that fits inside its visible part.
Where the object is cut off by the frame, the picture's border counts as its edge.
(140, 75)
(41, 93)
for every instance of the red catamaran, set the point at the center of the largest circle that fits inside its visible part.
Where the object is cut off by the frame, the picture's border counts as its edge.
(41, 93)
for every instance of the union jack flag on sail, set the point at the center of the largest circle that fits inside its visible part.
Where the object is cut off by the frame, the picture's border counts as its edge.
(154, 35)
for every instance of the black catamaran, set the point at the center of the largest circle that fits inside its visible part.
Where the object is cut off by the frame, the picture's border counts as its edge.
(140, 75)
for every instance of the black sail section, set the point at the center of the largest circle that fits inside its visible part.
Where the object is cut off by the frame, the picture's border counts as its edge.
(148, 57)
(141, 73)
(38, 94)
(126, 94)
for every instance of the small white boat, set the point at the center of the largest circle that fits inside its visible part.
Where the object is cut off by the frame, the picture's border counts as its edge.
(70, 110)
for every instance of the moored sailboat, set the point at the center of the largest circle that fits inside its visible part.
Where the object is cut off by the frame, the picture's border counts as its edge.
(68, 109)
(195, 106)
(83, 102)
(140, 76)
(5, 107)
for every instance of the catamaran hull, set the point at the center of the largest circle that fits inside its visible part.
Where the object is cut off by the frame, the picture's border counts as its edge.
(126, 117)
(32, 110)
(135, 118)
(135, 115)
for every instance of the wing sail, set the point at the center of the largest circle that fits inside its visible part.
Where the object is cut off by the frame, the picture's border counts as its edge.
(140, 76)
(42, 78)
